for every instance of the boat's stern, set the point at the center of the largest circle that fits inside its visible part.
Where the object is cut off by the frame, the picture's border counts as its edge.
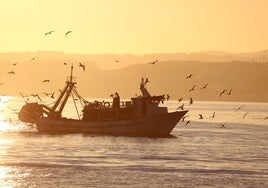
(30, 112)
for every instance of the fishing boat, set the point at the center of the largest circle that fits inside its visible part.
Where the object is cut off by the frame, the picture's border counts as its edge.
(141, 115)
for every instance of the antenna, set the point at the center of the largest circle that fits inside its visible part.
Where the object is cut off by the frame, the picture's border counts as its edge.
(71, 79)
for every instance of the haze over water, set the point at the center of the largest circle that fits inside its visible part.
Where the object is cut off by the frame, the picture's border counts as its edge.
(199, 155)
(222, 43)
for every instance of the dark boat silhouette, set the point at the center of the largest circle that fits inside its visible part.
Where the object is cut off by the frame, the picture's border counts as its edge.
(141, 115)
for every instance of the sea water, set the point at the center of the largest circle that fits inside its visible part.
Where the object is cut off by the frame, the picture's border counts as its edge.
(202, 154)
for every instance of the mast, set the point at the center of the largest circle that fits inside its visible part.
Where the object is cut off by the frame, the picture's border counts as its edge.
(71, 79)
(61, 101)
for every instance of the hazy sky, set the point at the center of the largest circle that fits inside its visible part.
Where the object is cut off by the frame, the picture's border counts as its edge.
(134, 26)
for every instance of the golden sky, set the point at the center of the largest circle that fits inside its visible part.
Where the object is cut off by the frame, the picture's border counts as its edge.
(134, 26)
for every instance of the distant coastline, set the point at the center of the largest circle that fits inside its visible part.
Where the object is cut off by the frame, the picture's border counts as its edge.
(242, 73)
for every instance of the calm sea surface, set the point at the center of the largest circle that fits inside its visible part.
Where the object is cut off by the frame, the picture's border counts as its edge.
(201, 154)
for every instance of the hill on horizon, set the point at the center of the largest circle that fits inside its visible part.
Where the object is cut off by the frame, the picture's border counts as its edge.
(116, 61)
(246, 79)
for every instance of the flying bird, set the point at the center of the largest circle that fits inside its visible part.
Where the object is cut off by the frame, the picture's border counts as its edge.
(36, 95)
(213, 115)
(239, 108)
(222, 126)
(23, 96)
(33, 58)
(181, 107)
(230, 92)
(153, 62)
(182, 120)
(67, 33)
(14, 110)
(191, 101)
(245, 115)
(200, 116)
(60, 91)
(83, 66)
(52, 95)
(46, 81)
(189, 76)
(47, 94)
(187, 123)
(48, 33)
(222, 92)
(192, 89)
(14, 64)
(11, 72)
(146, 81)
(204, 87)
(168, 97)
(180, 99)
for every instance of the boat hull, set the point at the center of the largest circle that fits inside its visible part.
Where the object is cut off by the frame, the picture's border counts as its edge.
(160, 124)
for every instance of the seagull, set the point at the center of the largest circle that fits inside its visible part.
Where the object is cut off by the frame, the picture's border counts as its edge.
(181, 107)
(23, 96)
(230, 92)
(146, 81)
(36, 95)
(14, 110)
(46, 81)
(222, 92)
(67, 33)
(11, 72)
(187, 123)
(48, 33)
(213, 116)
(200, 116)
(52, 95)
(189, 76)
(182, 120)
(191, 101)
(168, 97)
(14, 64)
(60, 91)
(33, 58)
(83, 66)
(222, 126)
(239, 108)
(245, 115)
(204, 87)
(192, 88)
(47, 94)
(153, 62)
(27, 101)
(39, 98)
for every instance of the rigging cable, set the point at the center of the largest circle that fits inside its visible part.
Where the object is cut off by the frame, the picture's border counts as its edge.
(75, 106)
(79, 96)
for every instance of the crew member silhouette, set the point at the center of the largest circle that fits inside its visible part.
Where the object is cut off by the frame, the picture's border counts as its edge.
(116, 100)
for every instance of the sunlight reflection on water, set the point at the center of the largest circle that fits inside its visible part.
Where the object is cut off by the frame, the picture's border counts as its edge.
(200, 155)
